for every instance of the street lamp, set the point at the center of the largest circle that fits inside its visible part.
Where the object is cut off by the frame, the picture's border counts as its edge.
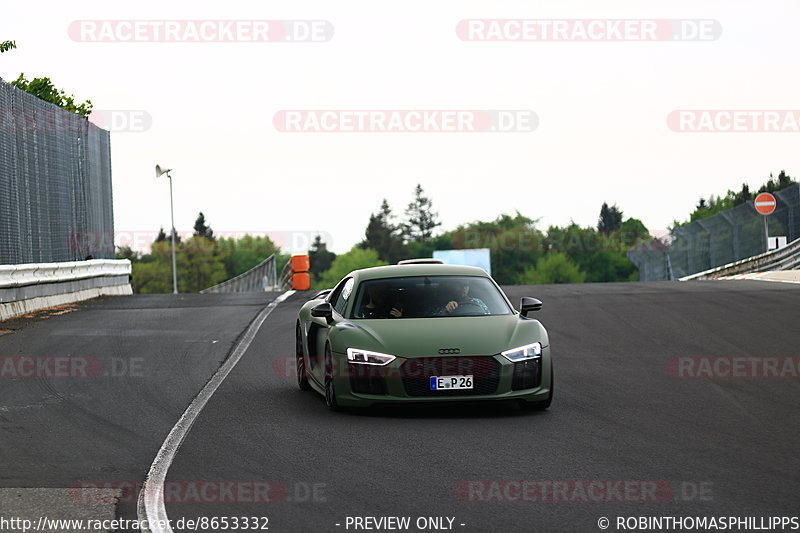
(159, 172)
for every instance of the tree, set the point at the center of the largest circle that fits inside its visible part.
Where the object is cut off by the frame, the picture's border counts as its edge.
(418, 249)
(552, 268)
(715, 204)
(421, 220)
(743, 196)
(126, 252)
(153, 274)
(513, 241)
(161, 237)
(43, 88)
(5, 46)
(601, 257)
(319, 257)
(199, 265)
(201, 229)
(240, 255)
(382, 236)
(610, 218)
(784, 180)
(201, 261)
(345, 263)
(632, 232)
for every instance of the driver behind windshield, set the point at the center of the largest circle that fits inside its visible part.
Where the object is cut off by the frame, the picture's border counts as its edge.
(380, 304)
(456, 293)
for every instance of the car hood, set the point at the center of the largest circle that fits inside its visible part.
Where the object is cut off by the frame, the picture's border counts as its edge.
(421, 337)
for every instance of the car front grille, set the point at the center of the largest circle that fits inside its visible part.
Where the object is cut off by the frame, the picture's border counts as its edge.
(416, 374)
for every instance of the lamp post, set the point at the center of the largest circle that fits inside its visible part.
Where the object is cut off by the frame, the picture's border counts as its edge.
(159, 172)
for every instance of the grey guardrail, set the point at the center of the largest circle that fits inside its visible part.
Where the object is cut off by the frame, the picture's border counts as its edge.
(260, 278)
(786, 258)
(29, 287)
(285, 280)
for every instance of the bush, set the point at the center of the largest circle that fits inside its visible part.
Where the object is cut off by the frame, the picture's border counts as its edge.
(355, 259)
(553, 268)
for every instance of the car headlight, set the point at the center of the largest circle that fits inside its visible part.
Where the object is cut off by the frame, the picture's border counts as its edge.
(366, 357)
(524, 353)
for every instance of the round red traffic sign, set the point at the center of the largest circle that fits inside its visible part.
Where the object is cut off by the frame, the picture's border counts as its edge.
(765, 203)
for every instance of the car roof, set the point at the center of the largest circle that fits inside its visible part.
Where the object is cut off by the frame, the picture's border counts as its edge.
(396, 271)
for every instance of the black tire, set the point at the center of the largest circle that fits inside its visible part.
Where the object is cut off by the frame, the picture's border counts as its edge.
(544, 404)
(330, 390)
(302, 377)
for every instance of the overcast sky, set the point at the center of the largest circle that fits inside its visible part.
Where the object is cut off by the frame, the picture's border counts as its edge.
(602, 110)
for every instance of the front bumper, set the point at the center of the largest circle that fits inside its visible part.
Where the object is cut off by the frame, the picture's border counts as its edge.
(406, 380)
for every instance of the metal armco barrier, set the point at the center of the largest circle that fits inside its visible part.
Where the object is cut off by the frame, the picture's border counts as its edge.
(29, 287)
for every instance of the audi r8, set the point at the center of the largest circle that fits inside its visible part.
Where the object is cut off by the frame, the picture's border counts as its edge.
(422, 333)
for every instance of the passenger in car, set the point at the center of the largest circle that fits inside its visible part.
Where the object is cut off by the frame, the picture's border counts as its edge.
(379, 305)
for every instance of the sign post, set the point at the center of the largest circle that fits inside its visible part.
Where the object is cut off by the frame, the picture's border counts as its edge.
(765, 204)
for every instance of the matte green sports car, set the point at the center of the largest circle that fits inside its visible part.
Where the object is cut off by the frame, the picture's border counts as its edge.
(422, 333)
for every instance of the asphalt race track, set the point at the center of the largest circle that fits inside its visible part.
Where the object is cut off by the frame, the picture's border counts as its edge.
(711, 446)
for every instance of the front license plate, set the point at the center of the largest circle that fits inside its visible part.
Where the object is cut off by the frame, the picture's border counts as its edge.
(451, 382)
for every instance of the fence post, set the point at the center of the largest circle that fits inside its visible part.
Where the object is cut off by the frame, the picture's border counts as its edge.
(735, 228)
(783, 197)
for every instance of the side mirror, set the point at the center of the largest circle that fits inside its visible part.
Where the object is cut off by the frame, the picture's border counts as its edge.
(323, 310)
(526, 305)
(321, 294)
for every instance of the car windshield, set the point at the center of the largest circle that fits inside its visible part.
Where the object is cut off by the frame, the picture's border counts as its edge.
(428, 297)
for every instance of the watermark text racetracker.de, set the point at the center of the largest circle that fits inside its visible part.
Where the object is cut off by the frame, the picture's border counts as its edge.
(246, 240)
(200, 31)
(121, 120)
(734, 367)
(202, 491)
(734, 121)
(69, 367)
(405, 121)
(580, 491)
(47, 120)
(588, 30)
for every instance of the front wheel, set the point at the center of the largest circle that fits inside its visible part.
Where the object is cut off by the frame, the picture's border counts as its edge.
(302, 377)
(544, 404)
(330, 391)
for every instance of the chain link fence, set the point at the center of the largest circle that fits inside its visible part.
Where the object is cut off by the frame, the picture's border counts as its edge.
(728, 236)
(260, 278)
(55, 183)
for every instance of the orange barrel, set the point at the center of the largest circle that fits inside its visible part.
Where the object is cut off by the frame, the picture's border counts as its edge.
(300, 263)
(301, 281)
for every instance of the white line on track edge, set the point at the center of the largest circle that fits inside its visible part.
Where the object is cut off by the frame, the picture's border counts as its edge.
(150, 506)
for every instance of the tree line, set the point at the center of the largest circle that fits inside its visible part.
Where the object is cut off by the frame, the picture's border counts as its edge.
(203, 260)
(521, 252)
(714, 204)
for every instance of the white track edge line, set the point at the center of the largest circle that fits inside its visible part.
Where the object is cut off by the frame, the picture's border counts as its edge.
(151, 510)
(775, 280)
